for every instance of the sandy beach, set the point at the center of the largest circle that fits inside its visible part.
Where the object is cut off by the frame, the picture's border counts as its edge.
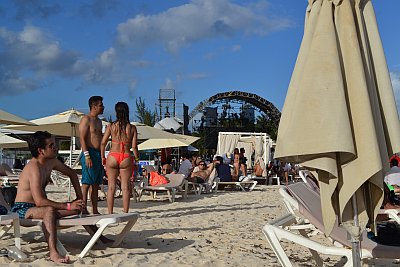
(222, 229)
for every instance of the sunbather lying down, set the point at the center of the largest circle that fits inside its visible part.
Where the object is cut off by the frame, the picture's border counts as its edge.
(202, 175)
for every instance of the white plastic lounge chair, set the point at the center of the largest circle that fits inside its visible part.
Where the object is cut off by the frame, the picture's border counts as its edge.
(303, 174)
(309, 205)
(10, 220)
(243, 185)
(6, 177)
(101, 221)
(177, 183)
(208, 186)
(61, 180)
(10, 171)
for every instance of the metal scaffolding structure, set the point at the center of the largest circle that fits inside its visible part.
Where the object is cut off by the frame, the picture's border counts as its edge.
(166, 103)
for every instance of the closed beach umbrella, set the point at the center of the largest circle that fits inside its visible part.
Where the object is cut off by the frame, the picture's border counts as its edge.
(340, 116)
(11, 142)
(8, 118)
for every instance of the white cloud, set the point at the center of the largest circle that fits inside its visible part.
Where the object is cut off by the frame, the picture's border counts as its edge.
(395, 77)
(169, 84)
(186, 24)
(29, 57)
(132, 88)
(35, 8)
(141, 63)
(98, 8)
(191, 76)
(236, 48)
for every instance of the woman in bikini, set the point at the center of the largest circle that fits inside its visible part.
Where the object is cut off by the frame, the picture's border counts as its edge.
(119, 160)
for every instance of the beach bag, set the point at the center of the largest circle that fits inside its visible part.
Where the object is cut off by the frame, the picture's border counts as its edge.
(393, 198)
(9, 194)
(157, 179)
(388, 234)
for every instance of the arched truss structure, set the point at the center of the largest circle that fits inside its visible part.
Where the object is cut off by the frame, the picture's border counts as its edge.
(260, 103)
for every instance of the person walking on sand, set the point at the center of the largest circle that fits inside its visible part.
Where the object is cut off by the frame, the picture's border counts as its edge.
(31, 201)
(119, 160)
(90, 133)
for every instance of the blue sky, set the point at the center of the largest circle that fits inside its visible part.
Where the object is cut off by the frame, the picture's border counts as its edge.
(55, 54)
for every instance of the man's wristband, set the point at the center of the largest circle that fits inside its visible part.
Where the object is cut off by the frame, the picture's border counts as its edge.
(86, 153)
(68, 205)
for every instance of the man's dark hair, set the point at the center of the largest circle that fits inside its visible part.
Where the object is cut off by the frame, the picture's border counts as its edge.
(187, 155)
(220, 159)
(242, 150)
(36, 141)
(394, 162)
(93, 100)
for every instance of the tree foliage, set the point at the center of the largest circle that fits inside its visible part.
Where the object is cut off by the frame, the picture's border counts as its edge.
(266, 125)
(144, 114)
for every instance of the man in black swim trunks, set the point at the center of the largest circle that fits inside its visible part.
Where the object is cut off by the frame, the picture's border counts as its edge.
(31, 201)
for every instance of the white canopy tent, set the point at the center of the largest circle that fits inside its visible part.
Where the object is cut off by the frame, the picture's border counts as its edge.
(258, 143)
(169, 123)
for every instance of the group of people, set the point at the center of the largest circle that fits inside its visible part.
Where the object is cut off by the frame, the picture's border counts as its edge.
(31, 200)
(119, 163)
(196, 169)
(238, 161)
(392, 185)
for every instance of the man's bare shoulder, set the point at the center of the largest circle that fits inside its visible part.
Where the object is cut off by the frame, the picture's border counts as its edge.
(31, 168)
(84, 120)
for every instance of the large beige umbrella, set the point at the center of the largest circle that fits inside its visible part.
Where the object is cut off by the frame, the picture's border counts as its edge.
(147, 132)
(64, 124)
(340, 116)
(11, 142)
(8, 118)
(157, 143)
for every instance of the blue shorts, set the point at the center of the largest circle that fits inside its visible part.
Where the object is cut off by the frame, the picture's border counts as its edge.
(95, 174)
(21, 208)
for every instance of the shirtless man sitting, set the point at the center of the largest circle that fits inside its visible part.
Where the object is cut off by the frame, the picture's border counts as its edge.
(202, 175)
(31, 201)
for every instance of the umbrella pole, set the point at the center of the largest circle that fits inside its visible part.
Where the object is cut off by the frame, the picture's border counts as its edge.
(70, 146)
(355, 240)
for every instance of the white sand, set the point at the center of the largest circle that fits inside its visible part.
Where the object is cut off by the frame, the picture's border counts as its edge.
(222, 229)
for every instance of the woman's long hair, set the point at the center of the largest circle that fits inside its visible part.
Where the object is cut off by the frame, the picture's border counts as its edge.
(122, 112)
